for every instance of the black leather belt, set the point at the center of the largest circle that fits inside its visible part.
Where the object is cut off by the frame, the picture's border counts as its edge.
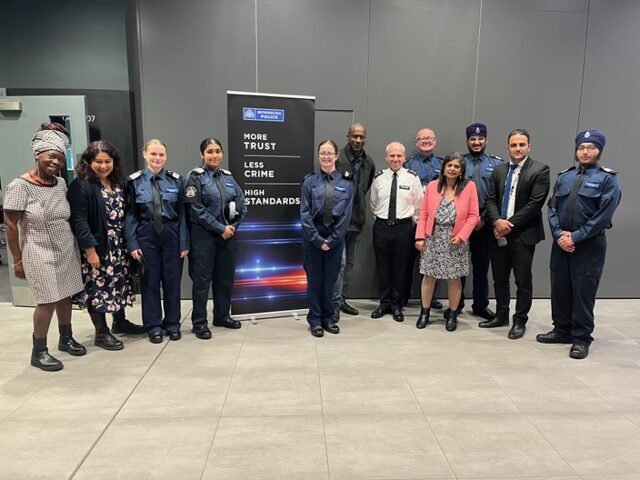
(392, 223)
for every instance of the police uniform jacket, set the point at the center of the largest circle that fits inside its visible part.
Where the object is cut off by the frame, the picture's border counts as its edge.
(409, 194)
(312, 206)
(427, 168)
(344, 164)
(597, 200)
(140, 204)
(486, 164)
(206, 207)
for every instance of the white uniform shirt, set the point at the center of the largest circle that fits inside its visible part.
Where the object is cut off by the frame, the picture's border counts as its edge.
(514, 184)
(409, 194)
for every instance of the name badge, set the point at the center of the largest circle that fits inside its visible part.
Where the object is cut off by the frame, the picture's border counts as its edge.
(228, 184)
(404, 187)
(172, 190)
(340, 189)
(592, 185)
(488, 169)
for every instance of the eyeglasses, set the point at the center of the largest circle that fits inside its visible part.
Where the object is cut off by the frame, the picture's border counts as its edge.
(425, 139)
(590, 148)
(327, 154)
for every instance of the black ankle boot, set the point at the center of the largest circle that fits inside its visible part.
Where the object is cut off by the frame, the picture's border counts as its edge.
(423, 319)
(40, 356)
(68, 344)
(452, 321)
(122, 325)
(104, 339)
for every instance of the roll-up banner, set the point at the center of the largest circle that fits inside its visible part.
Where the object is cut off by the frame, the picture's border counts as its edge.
(270, 150)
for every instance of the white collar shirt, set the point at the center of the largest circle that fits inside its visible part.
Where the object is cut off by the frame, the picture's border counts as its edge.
(409, 194)
(514, 185)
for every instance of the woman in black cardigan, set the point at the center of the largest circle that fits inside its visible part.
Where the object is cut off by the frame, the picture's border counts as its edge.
(97, 202)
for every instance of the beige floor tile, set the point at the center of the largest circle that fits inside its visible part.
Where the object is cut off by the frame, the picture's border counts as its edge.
(496, 445)
(277, 357)
(388, 447)
(595, 443)
(268, 448)
(150, 449)
(45, 449)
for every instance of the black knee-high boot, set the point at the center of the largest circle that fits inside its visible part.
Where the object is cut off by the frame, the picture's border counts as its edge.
(68, 344)
(40, 356)
(423, 319)
(104, 339)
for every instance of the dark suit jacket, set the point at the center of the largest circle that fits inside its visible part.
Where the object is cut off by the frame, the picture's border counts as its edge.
(88, 215)
(531, 193)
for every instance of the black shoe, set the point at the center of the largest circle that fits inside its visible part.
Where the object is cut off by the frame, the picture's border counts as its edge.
(331, 328)
(484, 313)
(423, 319)
(496, 322)
(40, 357)
(155, 337)
(202, 332)
(107, 341)
(380, 311)
(227, 323)
(517, 331)
(317, 331)
(452, 322)
(126, 327)
(554, 336)
(579, 351)
(175, 336)
(336, 313)
(436, 304)
(348, 309)
(398, 316)
(68, 344)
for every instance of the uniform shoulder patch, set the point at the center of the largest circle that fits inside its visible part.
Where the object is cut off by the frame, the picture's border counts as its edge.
(173, 174)
(378, 173)
(567, 170)
(134, 175)
(348, 175)
(412, 172)
(190, 191)
(226, 172)
(198, 170)
(608, 170)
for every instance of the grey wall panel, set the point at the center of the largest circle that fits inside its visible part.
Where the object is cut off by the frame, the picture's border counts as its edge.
(70, 44)
(610, 102)
(529, 76)
(192, 53)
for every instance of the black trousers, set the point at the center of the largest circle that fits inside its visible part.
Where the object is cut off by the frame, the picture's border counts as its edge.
(392, 245)
(516, 257)
(480, 261)
(574, 283)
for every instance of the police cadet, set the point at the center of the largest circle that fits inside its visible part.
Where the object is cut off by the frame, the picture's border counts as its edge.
(580, 210)
(396, 195)
(326, 204)
(215, 209)
(156, 234)
(479, 169)
(427, 166)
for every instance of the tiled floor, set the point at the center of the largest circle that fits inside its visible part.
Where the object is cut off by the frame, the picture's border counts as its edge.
(381, 400)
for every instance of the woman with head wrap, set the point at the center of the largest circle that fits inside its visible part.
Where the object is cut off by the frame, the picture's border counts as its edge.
(97, 201)
(44, 250)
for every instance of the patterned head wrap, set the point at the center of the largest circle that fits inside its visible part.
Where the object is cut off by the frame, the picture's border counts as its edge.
(46, 140)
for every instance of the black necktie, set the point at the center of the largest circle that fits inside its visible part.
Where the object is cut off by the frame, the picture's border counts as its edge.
(570, 208)
(476, 171)
(391, 216)
(223, 198)
(327, 216)
(157, 205)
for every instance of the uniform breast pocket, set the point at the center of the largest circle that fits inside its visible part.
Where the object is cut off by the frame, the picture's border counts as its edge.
(340, 197)
(486, 173)
(144, 195)
(563, 191)
(170, 196)
(230, 190)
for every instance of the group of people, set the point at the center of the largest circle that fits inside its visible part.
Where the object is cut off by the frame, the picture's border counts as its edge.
(86, 243)
(460, 214)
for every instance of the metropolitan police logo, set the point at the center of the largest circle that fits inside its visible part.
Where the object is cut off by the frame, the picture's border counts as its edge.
(587, 134)
(248, 113)
(190, 192)
(477, 130)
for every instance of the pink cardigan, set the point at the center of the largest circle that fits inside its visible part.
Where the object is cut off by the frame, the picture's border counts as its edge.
(467, 212)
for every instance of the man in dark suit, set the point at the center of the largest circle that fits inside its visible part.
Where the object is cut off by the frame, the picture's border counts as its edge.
(517, 192)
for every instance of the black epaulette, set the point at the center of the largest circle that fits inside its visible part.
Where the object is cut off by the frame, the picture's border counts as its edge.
(567, 170)
(378, 173)
(608, 170)
(412, 172)
(198, 170)
(173, 174)
(307, 176)
(348, 175)
(134, 175)
(226, 172)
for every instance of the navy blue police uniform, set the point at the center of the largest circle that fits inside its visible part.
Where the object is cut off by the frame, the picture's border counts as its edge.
(214, 200)
(575, 276)
(160, 243)
(427, 169)
(318, 228)
(479, 169)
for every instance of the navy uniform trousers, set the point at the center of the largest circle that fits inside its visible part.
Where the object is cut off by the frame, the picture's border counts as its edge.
(574, 283)
(322, 270)
(393, 246)
(212, 264)
(161, 253)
